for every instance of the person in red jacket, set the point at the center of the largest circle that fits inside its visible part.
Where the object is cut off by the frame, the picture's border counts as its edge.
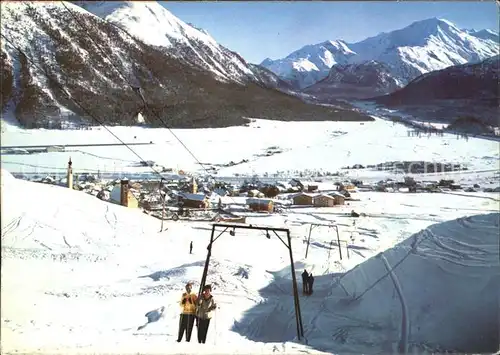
(188, 313)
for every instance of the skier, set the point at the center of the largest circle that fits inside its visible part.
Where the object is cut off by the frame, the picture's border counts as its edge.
(310, 282)
(186, 321)
(191, 247)
(305, 275)
(206, 305)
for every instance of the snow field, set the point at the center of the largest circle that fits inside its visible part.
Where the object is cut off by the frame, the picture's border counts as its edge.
(313, 146)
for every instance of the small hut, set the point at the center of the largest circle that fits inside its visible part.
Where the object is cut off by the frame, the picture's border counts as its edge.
(338, 197)
(303, 199)
(324, 201)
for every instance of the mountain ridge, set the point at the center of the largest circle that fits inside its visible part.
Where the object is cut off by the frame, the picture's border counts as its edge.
(423, 46)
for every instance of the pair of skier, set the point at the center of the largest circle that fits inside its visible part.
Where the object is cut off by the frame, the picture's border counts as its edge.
(307, 283)
(196, 310)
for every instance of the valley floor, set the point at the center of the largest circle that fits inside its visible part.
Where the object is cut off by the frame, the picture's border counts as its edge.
(272, 148)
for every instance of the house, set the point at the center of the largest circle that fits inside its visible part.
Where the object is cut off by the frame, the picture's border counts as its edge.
(255, 193)
(312, 188)
(347, 186)
(339, 198)
(195, 200)
(303, 199)
(260, 204)
(121, 195)
(296, 183)
(324, 201)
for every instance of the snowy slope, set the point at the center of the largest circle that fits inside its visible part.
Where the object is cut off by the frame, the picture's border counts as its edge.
(419, 48)
(78, 274)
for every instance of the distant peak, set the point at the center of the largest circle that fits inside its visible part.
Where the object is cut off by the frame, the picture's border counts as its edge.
(267, 61)
(339, 45)
(445, 21)
(337, 42)
(434, 22)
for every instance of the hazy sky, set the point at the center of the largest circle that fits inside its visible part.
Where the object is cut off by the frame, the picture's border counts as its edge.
(258, 29)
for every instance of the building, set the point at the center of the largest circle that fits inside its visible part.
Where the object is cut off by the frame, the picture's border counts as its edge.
(121, 195)
(324, 201)
(339, 198)
(261, 204)
(69, 174)
(255, 193)
(195, 200)
(312, 188)
(347, 186)
(303, 199)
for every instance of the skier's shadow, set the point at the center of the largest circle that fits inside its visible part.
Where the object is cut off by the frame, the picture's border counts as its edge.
(273, 321)
(153, 316)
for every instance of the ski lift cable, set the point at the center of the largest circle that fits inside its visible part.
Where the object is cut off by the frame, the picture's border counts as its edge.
(55, 167)
(60, 87)
(137, 91)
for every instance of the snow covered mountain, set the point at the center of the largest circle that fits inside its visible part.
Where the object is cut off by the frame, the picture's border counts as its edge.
(186, 77)
(311, 63)
(419, 48)
(355, 81)
(154, 25)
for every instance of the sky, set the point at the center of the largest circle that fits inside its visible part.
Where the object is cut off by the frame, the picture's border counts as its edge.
(258, 30)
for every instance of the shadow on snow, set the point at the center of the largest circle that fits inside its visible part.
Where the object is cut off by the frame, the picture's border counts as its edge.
(334, 322)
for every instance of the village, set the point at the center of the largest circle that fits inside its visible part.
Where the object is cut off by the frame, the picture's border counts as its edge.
(201, 198)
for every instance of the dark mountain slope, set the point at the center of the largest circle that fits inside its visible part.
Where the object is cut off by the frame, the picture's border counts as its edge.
(355, 81)
(478, 82)
(469, 90)
(181, 94)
